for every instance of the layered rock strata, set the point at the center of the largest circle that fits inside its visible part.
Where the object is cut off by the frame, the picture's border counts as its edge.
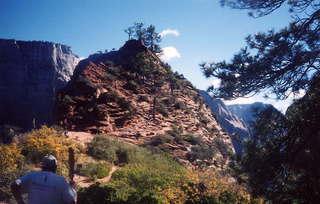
(133, 96)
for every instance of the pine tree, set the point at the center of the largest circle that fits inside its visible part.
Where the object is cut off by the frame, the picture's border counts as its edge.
(148, 36)
(283, 62)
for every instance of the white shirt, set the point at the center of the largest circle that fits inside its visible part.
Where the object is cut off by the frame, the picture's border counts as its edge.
(46, 188)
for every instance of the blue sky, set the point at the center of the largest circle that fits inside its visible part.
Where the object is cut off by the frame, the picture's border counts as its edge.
(207, 32)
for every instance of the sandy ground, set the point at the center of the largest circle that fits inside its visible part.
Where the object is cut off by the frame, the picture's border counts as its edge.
(82, 137)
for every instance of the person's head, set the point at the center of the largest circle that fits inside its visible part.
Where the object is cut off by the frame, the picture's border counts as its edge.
(49, 163)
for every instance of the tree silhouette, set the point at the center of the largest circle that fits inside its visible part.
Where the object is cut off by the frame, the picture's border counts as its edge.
(281, 159)
(147, 35)
(283, 62)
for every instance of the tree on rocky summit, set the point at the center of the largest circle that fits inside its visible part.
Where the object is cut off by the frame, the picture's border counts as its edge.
(147, 35)
(283, 61)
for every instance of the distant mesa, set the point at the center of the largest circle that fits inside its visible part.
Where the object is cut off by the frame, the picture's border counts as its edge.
(31, 72)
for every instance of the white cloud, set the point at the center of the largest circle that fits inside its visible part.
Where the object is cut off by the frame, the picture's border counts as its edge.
(169, 53)
(169, 32)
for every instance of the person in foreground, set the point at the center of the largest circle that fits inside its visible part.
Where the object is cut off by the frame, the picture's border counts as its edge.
(44, 187)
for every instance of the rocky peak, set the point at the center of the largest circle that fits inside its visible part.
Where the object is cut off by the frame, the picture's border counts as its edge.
(131, 95)
(133, 47)
(30, 74)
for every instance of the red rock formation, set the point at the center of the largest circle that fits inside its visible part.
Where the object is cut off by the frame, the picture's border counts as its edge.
(127, 94)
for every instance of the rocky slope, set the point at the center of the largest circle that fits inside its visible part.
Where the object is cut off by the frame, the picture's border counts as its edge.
(130, 94)
(235, 126)
(30, 75)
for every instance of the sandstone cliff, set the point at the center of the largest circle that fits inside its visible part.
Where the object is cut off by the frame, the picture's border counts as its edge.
(131, 95)
(30, 75)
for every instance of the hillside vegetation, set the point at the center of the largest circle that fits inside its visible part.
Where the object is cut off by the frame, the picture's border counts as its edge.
(144, 175)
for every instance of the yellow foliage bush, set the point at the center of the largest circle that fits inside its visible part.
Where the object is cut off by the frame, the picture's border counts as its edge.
(10, 158)
(45, 141)
(202, 186)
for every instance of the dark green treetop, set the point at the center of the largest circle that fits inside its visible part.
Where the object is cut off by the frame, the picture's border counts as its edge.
(282, 61)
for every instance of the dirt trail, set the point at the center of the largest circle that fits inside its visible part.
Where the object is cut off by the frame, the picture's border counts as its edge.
(81, 137)
(107, 179)
(85, 182)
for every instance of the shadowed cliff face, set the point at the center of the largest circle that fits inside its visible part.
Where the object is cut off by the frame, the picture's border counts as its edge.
(238, 120)
(231, 122)
(248, 113)
(30, 75)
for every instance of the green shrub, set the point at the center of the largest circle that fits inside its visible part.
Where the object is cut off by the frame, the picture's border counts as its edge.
(201, 151)
(114, 70)
(111, 150)
(108, 194)
(161, 139)
(213, 130)
(175, 131)
(197, 193)
(109, 76)
(179, 140)
(122, 155)
(147, 177)
(68, 99)
(180, 105)
(102, 148)
(192, 139)
(203, 119)
(128, 75)
(142, 180)
(197, 98)
(153, 178)
(96, 193)
(131, 85)
(142, 98)
(126, 105)
(169, 101)
(222, 147)
(110, 96)
(162, 109)
(113, 96)
(95, 170)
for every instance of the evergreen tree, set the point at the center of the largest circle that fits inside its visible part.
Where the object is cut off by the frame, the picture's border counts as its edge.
(283, 62)
(147, 35)
(281, 160)
(152, 39)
